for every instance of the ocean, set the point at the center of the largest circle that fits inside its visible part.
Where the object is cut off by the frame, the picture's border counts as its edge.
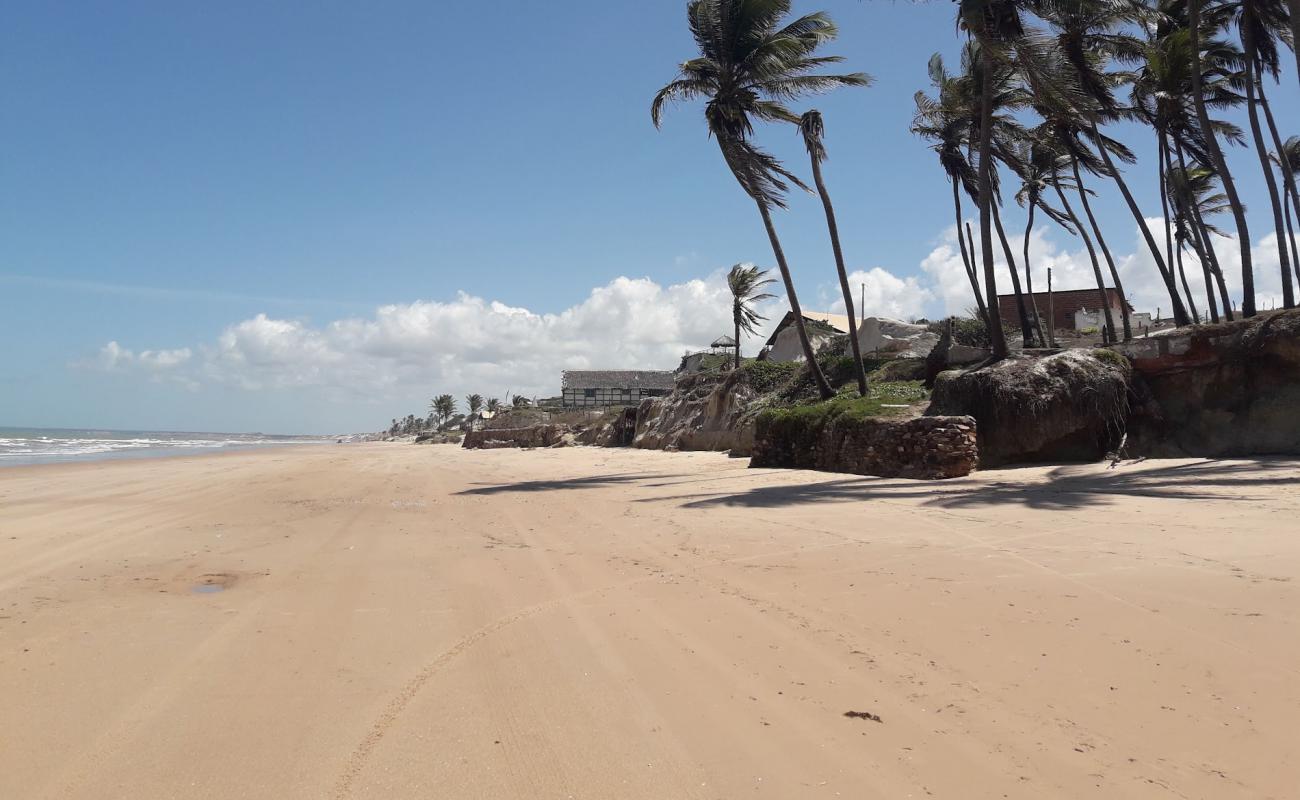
(50, 445)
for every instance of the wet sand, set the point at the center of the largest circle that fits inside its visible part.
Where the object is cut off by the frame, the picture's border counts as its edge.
(391, 621)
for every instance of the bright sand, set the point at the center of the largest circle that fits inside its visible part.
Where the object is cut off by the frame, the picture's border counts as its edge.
(391, 621)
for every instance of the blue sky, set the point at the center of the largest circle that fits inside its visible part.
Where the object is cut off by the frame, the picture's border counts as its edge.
(172, 170)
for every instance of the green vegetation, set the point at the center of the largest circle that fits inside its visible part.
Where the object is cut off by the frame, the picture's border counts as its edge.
(1111, 357)
(802, 423)
(768, 376)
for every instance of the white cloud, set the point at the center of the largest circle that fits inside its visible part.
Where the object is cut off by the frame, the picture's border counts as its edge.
(879, 293)
(412, 350)
(467, 344)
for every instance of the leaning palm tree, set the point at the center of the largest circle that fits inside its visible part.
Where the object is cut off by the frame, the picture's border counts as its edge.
(812, 128)
(1287, 158)
(1040, 166)
(1217, 162)
(1091, 35)
(749, 65)
(1262, 24)
(746, 283)
(945, 120)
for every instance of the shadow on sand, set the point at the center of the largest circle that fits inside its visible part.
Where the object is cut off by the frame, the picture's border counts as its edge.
(1064, 487)
(561, 484)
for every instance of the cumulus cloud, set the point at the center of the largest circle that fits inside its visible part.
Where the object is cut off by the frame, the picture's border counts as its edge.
(878, 292)
(470, 343)
(465, 344)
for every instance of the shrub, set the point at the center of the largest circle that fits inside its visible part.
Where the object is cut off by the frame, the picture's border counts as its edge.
(767, 376)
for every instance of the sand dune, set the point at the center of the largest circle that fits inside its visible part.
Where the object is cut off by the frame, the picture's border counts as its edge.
(385, 621)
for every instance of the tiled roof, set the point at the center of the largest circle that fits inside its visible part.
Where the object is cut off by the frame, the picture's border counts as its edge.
(618, 379)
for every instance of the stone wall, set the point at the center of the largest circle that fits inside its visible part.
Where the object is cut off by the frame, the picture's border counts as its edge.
(925, 447)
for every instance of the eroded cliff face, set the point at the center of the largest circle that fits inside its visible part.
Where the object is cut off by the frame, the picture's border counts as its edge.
(1231, 389)
(1067, 406)
(707, 411)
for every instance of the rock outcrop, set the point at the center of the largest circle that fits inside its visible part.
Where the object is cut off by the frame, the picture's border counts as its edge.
(1068, 406)
(705, 412)
(1218, 390)
(922, 447)
(535, 436)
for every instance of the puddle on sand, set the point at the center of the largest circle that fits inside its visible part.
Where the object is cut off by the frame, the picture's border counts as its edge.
(208, 588)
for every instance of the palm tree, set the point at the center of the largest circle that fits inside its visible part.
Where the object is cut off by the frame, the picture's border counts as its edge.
(474, 403)
(493, 405)
(1188, 191)
(1261, 23)
(1040, 166)
(749, 65)
(1288, 161)
(746, 283)
(1090, 35)
(812, 128)
(443, 407)
(945, 120)
(998, 30)
(1217, 161)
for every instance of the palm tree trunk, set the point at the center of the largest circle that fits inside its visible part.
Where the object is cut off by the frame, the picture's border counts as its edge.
(1026, 330)
(1261, 150)
(735, 317)
(1092, 256)
(1029, 275)
(997, 337)
(1187, 287)
(834, 229)
(1288, 180)
(966, 260)
(1197, 247)
(1166, 271)
(1101, 242)
(814, 368)
(1220, 165)
(1165, 166)
(1290, 234)
(1162, 167)
(1208, 256)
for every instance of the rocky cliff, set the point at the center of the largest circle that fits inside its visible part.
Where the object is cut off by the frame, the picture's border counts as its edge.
(707, 411)
(1218, 390)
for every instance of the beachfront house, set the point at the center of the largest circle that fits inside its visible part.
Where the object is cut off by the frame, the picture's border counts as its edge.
(1064, 306)
(594, 388)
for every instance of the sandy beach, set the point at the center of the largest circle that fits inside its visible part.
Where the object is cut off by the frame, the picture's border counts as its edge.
(388, 621)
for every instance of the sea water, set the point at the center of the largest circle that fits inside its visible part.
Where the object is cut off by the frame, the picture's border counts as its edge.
(49, 445)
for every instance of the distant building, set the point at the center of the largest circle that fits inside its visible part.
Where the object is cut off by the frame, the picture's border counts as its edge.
(614, 387)
(1064, 306)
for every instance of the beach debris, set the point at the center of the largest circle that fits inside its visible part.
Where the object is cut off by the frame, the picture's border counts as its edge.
(863, 715)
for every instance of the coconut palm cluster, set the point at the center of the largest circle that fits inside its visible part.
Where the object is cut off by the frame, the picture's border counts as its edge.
(1029, 113)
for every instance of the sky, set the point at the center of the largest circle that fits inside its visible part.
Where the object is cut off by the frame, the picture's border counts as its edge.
(311, 218)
